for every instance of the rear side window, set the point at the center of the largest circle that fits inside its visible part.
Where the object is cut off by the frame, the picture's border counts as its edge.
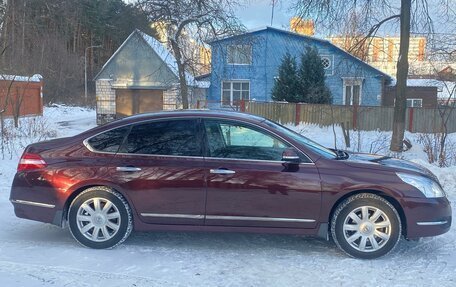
(109, 141)
(173, 137)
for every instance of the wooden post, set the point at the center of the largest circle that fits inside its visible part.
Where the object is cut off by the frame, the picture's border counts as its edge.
(410, 127)
(355, 117)
(297, 114)
(197, 104)
(346, 133)
(243, 105)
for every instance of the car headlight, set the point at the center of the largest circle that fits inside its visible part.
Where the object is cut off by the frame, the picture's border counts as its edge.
(427, 186)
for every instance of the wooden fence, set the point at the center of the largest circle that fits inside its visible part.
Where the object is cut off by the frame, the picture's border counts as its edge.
(367, 118)
(21, 98)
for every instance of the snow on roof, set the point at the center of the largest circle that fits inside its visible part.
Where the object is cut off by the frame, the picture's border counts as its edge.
(423, 83)
(202, 84)
(445, 89)
(160, 50)
(16, 78)
(166, 56)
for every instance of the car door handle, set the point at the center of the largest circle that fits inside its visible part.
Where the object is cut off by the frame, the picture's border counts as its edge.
(128, 168)
(222, 171)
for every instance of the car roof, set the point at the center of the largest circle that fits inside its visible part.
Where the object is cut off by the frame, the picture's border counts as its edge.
(192, 113)
(220, 114)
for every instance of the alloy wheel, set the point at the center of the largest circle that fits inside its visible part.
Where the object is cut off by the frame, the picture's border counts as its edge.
(367, 228)
(98, 219)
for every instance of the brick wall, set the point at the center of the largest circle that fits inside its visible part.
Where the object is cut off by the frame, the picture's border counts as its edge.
(106, 101)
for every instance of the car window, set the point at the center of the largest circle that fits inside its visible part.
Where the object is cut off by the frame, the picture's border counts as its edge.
(236, 140)
(319, 149)
(171, 137)
(108, 141)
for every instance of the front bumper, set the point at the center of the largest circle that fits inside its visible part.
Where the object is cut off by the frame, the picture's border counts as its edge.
(427, 216)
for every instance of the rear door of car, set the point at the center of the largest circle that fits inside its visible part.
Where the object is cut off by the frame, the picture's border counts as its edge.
(161, 167)
(248, 184)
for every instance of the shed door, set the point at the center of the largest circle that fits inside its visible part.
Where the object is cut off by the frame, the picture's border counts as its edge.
(130, 102)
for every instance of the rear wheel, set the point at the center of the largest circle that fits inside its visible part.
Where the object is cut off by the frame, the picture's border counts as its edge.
(100, 218)
(366, 226)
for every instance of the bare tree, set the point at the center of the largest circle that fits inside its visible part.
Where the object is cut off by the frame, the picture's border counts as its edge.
(436, 145)
(6, 91)
(50, 37)
(2, 12)
(371, 15)
(202, 20)
(400, 106)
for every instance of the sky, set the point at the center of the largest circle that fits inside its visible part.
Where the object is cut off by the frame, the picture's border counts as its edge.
(257, 13)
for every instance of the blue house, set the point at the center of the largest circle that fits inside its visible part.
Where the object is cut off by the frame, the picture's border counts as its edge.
(245, 67)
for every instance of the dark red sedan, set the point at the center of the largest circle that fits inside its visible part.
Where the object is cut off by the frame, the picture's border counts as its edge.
(224, 171)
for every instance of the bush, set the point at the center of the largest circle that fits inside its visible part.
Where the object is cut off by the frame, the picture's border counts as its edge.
(303, 85)
(285, 87)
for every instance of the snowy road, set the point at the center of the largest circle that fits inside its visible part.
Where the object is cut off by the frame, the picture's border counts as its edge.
(36, 254)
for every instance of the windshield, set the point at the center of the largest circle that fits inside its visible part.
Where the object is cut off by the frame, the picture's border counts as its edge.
(319, 149)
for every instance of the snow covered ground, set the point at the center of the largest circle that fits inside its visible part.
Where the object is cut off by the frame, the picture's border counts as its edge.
(36, 254)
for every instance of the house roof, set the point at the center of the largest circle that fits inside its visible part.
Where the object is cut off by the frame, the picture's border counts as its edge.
(322, 41)
(165, 55)
(423, 83)
(449, 68)
(17, 78)
(445, 89)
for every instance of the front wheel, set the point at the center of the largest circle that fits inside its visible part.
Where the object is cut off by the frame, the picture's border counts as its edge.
(100, 218)
(366, 226)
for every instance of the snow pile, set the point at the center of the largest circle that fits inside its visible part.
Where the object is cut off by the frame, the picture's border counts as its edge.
(36, 254)
(365, 141)
(16, 78)
(57, 121)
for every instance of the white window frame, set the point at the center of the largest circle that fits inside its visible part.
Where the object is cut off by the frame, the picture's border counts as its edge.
(231, 90)
(414, 99)
(352, 81)
(330, 70)
(239, 45)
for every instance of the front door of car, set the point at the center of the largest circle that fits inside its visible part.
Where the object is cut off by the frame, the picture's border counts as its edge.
(248, 184)
(161, 168)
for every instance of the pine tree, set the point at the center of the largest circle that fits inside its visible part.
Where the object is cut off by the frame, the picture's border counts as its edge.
(311, 79)
(285, 86)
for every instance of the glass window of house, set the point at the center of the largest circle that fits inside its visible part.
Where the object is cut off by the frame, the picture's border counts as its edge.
(239, 54)
(235, 91)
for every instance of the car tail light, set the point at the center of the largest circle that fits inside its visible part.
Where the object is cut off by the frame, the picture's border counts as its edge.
(31, 161)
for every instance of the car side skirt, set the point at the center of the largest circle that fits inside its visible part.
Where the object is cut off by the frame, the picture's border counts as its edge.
(321, 231)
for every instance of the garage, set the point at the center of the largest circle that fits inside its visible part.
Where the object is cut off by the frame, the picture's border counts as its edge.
(130, 102)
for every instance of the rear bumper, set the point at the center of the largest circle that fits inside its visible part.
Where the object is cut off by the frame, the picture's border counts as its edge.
(427, 217)
(37, 211)
(35, 202)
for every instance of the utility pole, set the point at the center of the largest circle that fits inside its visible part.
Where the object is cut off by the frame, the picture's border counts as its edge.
(85, 69)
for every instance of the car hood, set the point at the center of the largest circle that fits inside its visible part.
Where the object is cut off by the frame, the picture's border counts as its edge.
(381, 162)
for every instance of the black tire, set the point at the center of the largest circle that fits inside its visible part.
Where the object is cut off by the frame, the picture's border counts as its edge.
(372, 239)
(112, 211)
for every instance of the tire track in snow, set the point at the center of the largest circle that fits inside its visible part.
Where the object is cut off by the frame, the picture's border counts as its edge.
(64, 276)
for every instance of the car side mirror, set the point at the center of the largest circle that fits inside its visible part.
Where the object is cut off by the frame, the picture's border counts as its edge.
(290, 155)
